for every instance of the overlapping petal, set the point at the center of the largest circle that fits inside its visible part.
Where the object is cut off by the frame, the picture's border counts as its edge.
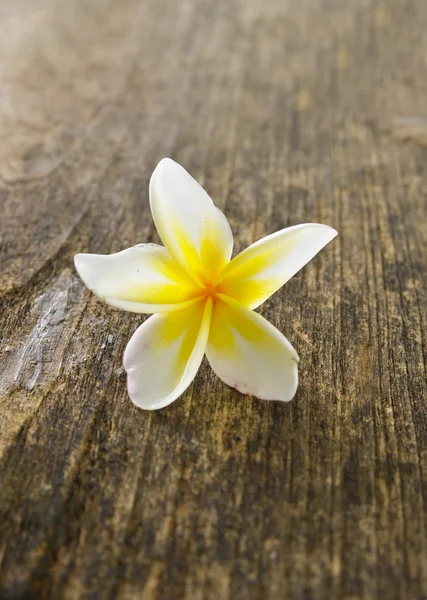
(164, 355)
(195, 232)
(260, 270)
(142, 279)
(250, 354)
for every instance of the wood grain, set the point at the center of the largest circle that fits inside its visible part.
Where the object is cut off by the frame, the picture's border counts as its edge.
(286, 112)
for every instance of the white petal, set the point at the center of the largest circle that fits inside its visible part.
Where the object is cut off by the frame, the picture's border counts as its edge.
(142, 279)
(164, 355)
(250, 354)
(195, 232)
(260, 270)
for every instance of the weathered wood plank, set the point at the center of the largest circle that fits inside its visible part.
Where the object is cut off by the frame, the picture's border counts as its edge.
(286, 112)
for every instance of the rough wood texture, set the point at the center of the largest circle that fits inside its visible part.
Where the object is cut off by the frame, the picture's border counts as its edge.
(287, 112)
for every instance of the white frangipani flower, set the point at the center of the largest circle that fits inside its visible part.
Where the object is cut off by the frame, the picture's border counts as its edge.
(204, 301)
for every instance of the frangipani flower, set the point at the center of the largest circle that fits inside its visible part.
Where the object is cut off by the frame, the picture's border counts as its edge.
(203, 301)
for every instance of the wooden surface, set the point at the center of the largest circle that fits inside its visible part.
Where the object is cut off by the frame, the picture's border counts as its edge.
(287, 112)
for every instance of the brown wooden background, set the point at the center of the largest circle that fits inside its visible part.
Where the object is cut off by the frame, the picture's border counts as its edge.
(287, 111)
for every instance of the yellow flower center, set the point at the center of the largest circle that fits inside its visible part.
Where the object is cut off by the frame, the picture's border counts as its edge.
(210, 291)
